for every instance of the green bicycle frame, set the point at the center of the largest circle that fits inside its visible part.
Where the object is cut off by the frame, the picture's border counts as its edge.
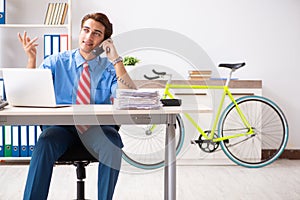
(226, 92)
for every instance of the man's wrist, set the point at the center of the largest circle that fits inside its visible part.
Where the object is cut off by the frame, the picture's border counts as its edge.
(117, 60)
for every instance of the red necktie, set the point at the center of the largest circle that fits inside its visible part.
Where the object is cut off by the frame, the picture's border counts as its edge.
(84, 92)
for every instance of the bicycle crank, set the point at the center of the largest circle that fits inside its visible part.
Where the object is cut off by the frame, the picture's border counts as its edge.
(205, 145)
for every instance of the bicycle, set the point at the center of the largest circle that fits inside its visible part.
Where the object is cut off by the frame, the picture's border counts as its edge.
(252, 130)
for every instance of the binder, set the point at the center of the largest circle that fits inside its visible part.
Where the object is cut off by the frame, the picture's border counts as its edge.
(38, 133)
(47, 45)
(23, 141)
(2, 11)
(63, 42)
(55, 44)
(1, 141)
(7, 141)
(31, 139)
(15, 141)
(2, 95)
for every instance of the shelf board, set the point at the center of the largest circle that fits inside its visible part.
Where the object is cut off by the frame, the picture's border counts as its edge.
(32, 26)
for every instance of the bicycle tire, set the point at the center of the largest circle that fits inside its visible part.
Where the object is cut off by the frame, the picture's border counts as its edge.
(147, 150)
(270, 127)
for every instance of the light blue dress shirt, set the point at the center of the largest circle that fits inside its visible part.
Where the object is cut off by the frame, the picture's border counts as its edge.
(66, 68)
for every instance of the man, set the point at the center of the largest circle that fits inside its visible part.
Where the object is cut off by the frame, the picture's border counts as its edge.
(66, 67)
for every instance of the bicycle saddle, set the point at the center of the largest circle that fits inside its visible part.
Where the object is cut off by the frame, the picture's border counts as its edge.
(232, 66)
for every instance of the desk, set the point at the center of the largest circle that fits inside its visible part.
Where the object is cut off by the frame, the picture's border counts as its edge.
(107, 115)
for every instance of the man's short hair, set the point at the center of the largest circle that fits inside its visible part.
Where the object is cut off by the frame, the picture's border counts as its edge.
(103, 19)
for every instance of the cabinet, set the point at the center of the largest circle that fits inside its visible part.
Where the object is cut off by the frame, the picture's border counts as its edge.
(28, 16)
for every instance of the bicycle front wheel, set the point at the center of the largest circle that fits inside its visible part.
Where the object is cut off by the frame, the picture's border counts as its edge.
(270, 135)
(144, 145)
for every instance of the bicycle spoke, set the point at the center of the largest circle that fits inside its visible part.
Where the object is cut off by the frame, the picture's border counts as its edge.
(146, 149)
(268, 140)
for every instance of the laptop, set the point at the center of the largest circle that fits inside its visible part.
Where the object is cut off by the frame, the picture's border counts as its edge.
(29, 87)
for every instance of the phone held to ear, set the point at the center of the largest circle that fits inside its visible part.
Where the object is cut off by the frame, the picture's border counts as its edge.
(99, 50)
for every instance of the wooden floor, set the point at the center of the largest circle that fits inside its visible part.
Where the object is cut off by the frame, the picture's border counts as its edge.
(278, 181)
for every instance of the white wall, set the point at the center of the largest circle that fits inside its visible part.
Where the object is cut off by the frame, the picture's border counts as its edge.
(264, 33)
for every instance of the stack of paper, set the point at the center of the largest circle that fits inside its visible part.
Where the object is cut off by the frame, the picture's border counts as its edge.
(137, 99)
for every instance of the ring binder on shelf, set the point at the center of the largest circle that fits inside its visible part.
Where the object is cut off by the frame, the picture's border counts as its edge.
(7, 141)
(2, 11)
(24, 141)
(15, 141)
(1, 141)
(31, 139)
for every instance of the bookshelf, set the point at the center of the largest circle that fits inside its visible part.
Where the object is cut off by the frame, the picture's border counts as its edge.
(29, 16)
(43, 27)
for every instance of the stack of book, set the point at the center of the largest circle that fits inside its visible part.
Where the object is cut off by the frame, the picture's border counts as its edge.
(199, 74)
(56, 13)
(137, 99)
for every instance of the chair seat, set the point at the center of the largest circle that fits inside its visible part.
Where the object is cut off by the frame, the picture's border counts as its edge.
(76, 153)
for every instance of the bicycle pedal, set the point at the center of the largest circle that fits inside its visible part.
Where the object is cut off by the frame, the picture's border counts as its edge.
(226, 141)
(195, 141)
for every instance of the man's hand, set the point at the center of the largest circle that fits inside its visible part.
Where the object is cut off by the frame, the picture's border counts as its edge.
(29, 46)
(110, 49)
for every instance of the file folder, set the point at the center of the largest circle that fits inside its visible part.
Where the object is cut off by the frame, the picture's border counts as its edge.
(7, 141)
(38, 133)
(1, 141)
(15, 141)
(2, 95)
(31, 139)
(24, 141)
(2, 11)
(55, 44)
(47, 46)
(63, 42)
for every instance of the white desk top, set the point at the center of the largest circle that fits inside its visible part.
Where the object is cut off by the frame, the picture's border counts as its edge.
(89, 114)
(96, 110)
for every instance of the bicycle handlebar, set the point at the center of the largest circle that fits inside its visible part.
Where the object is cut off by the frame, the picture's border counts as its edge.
(159, 73)
(151, 78)
(155, 77)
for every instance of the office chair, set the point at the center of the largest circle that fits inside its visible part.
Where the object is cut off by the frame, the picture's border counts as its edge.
(80, 157)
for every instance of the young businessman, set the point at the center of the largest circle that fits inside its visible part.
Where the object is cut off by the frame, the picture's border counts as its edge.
(66, 67)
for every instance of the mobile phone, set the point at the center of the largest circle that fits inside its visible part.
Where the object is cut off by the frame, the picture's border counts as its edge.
(99, 50)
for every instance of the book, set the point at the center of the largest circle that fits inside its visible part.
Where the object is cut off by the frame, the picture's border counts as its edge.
(48, 14)
(199, 74)
(56, 13)
(64, 13)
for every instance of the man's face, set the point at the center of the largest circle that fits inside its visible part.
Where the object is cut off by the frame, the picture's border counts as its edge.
(91, 35)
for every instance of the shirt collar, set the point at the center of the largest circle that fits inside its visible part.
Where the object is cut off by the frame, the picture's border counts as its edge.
(92, 63)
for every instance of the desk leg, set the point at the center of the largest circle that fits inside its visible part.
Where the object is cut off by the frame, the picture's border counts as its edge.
(170, 159)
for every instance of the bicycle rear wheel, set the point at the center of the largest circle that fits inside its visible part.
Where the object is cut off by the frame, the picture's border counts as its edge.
(270, 132)
(144, 145)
